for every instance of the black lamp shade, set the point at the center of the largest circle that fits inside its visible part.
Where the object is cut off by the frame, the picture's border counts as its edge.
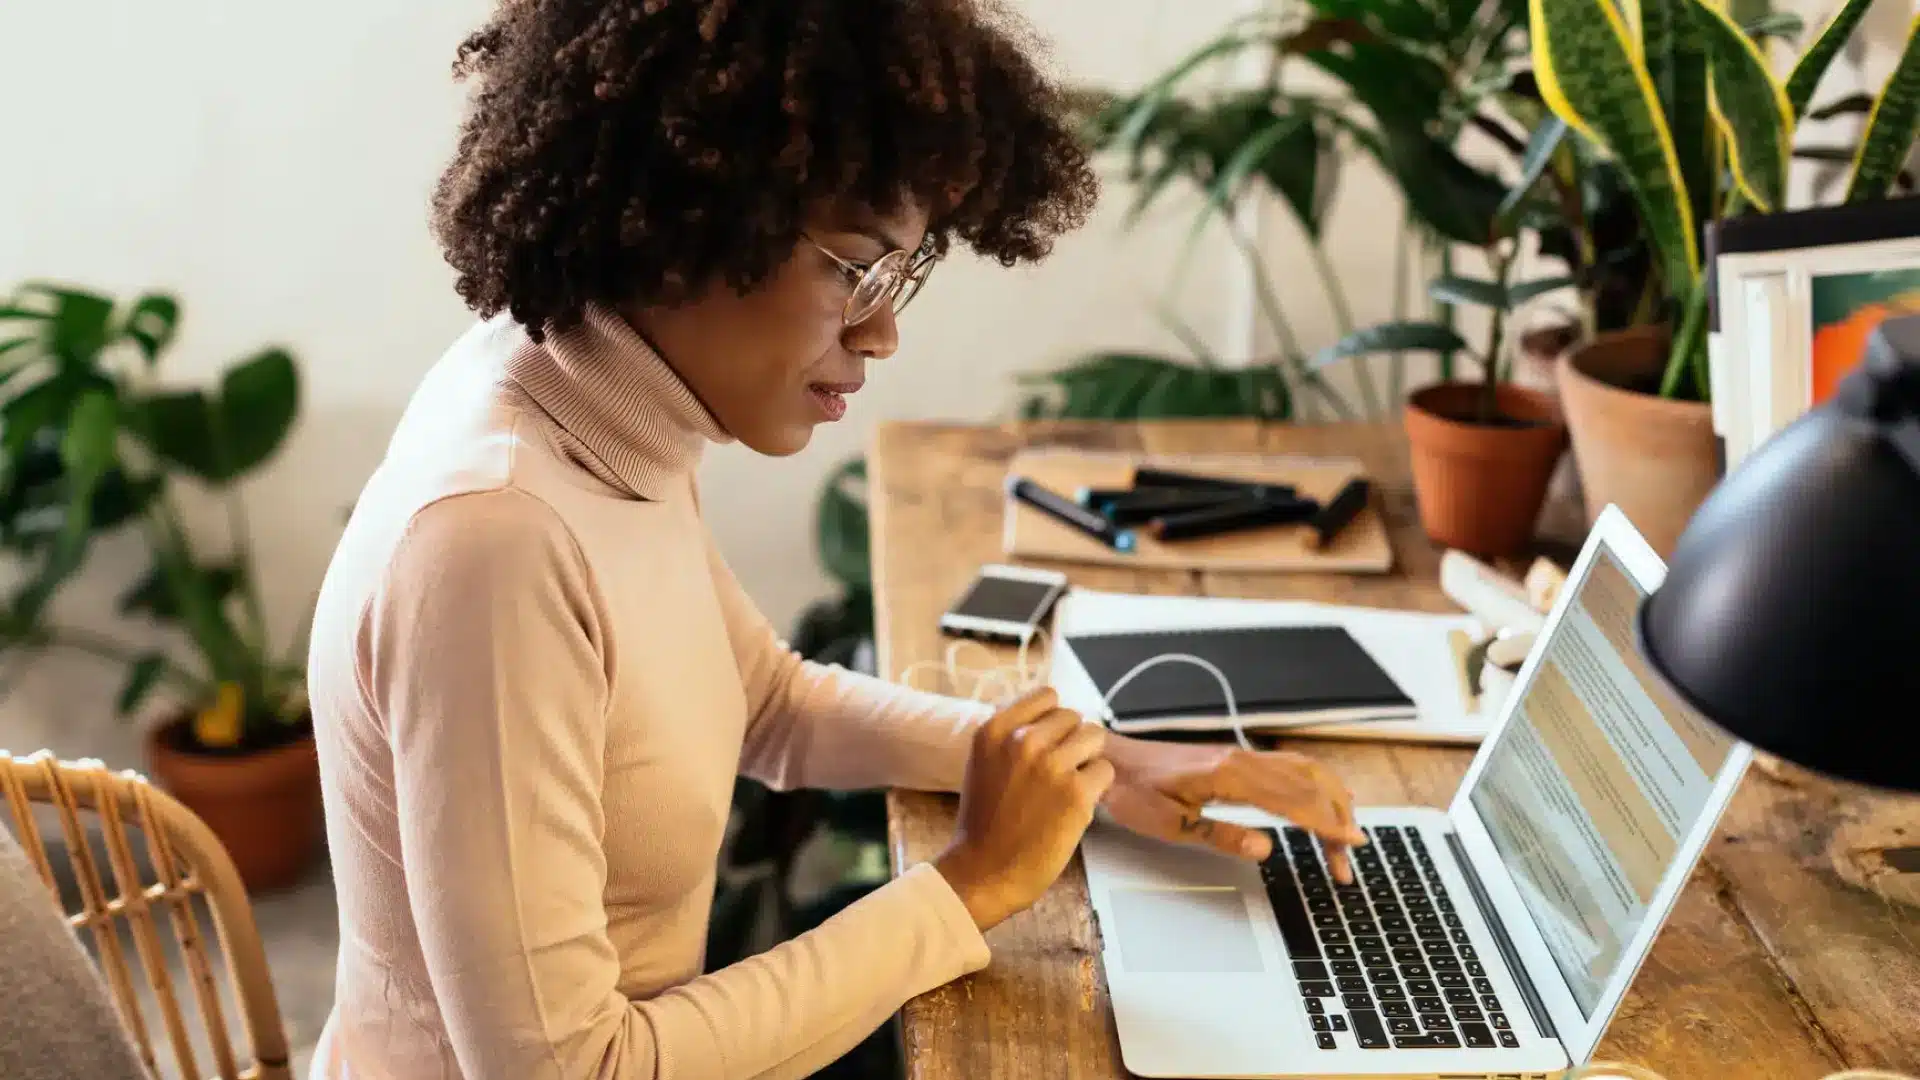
(1790, 613)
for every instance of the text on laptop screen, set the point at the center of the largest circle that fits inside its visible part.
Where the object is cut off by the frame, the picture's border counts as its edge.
(1595, 782)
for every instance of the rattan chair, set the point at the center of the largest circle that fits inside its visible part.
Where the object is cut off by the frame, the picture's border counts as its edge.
(186, 860)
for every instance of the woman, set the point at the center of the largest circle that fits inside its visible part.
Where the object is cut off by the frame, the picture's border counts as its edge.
(533, 676)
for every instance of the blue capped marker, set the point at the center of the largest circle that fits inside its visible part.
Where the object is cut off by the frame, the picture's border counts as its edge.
(1065, 510)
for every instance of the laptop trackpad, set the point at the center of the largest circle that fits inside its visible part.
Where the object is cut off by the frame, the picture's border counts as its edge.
(1190, 929)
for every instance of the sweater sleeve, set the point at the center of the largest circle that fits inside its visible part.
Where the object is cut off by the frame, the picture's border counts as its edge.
(819, 725)
(486, 647)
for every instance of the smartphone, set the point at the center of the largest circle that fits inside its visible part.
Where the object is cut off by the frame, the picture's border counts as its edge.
(1004, 603)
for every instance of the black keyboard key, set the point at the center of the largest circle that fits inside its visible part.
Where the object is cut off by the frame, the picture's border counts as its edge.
(1421, 986)
(1310, 971)
(1467, 953)
(1414, 971)
(1491, 1003)
(1437, 1021)
(1368, 1029)
(1332, 935)
(1466, 1013)
(1400, 940)
(1460, 997)
(1320, 1023)
(1291, 911)
(1323, 905)
(1445, 905)
(1362, 926)
(1408, 956)
(1450, 979)
(1476, 1035)
(1324, 1041)
(1375, 958)
(1338, 951)
(1429, 931)
(1509, 1040)
(1423, 917)
(1439, 948)
(1367, 944)
(1384, 832)
(1474, 968)
(1346, 967)
(1429, 1003)
(1499, 1021)
(1432, 1040)
(1398, 1008)
(1390, 923)
(1339, 1023)
(1483, 986)
(1351, 984)
(1316, 989)
(1381, 975)
(1450, 920)
(1444, 963)
(1389, 992)
(1397, 1026)
(1328, 918)
(1356, 1001)
(1461, 936)
(1314, 1006)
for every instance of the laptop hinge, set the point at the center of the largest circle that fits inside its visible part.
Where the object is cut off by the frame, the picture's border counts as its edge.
(1500, 939)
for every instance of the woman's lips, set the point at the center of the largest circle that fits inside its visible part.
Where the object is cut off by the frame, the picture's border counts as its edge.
(831, 398)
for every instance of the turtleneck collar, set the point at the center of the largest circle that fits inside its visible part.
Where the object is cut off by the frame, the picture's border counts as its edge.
(609, 390)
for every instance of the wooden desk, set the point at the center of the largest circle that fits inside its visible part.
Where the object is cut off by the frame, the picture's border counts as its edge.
(1771, 968)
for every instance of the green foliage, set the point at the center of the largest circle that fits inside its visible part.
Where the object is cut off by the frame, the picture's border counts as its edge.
(90, 445)
(1631, 89)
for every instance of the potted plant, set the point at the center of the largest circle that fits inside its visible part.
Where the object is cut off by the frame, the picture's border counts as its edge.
(1699, 129)
(1482, 451)
(93, 445)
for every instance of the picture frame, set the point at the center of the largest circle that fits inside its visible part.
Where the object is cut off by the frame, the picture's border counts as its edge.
(1792, 300)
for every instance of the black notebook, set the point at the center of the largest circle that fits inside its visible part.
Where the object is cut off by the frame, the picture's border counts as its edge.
(1282, 676)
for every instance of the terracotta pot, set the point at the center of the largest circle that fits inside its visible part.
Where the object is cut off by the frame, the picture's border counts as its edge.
(265, 806)
(1537, 366)
(1653, 457)
(1480, 486)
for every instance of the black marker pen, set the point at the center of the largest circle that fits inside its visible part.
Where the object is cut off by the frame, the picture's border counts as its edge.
(1065, 510)
(1338, 512)
(1144, 505)
(1168, 478)
(1232, 517)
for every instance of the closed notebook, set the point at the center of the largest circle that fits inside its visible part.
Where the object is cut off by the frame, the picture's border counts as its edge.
(1282, 676)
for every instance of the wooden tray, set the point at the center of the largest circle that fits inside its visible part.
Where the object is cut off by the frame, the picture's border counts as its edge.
(1362, 547)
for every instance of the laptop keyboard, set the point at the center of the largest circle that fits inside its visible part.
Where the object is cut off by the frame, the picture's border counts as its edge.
(1384, 963)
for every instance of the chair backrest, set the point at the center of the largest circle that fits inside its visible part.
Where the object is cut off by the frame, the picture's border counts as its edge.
(184, 860)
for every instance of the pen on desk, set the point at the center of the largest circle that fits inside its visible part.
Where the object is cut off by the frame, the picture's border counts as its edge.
(1241, 514)
(1338, 512)
(1167, 478)
(1142, 506)
(1068, 512)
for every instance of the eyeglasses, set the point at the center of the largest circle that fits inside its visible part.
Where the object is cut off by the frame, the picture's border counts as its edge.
(897, 275)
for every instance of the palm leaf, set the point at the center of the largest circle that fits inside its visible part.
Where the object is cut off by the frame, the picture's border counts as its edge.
(1891, 127)
(1590, 76)
(1813, 63)
(1751, 109)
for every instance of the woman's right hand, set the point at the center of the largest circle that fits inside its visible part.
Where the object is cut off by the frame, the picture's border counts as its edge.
(1033, 780)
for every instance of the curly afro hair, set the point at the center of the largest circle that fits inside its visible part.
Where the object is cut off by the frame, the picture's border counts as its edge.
(637, 150)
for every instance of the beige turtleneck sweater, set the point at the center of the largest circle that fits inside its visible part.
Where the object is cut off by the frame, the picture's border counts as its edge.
(534, 680)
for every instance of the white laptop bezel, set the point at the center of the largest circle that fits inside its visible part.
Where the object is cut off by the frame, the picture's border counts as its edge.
(1578, 1033)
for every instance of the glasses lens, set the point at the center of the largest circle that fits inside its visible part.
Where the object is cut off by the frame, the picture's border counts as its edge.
(881, 279)
(916, 276)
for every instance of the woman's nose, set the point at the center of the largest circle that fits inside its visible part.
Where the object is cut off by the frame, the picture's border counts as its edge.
(876, 336)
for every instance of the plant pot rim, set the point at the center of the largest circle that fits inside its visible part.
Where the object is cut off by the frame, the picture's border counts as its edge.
(158, 741)
(1573, 372)
(1421, 401)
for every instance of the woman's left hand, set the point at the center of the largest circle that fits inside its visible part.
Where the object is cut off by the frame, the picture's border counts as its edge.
(1160, 789)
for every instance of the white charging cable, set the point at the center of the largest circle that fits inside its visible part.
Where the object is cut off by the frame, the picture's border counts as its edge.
(1023, 674)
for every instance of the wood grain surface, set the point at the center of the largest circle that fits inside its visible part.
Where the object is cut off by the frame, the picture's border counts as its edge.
(1772, 967)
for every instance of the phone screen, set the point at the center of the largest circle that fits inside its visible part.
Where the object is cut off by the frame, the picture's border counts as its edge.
(1004, 599)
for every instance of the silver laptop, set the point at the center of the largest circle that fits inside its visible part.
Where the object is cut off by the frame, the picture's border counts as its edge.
(1495, 938)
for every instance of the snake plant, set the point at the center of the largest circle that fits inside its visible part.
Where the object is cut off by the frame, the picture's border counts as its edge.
(1680, 98)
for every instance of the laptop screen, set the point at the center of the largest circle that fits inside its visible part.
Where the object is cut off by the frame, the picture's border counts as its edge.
(1595, 782)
